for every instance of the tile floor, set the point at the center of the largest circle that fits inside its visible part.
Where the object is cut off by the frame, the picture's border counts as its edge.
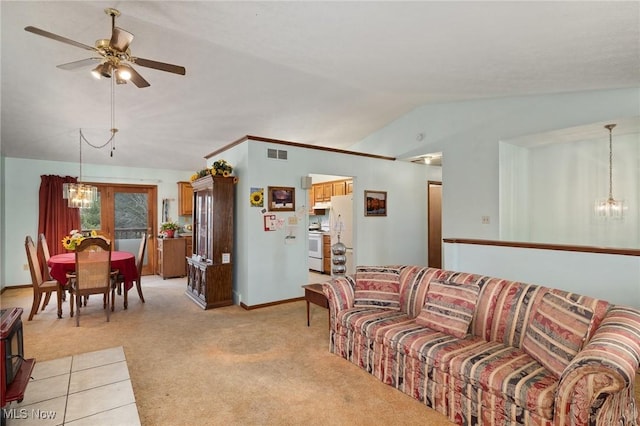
(93, 388)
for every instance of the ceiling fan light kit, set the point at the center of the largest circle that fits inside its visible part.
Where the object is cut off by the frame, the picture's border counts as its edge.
(115, 62)
(115, 55)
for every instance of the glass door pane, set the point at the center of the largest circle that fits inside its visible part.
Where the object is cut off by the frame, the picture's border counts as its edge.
(131, 217)
(91, 217)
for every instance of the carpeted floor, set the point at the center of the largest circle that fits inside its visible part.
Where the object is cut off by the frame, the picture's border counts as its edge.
(222, 366)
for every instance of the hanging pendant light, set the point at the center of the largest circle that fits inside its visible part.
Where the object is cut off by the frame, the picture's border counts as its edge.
(610, 208)
(79, 195)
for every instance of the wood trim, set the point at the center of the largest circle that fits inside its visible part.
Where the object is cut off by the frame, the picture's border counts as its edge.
(11, 287)
(296, 144)
(545, 246)
(266, 305)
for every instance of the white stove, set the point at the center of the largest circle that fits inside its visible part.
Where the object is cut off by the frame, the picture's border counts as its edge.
(315, 251)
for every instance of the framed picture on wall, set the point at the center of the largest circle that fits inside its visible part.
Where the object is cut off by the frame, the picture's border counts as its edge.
(282, 198)
(375, 203)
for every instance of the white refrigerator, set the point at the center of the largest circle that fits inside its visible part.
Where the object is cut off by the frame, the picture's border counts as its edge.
(341, 224)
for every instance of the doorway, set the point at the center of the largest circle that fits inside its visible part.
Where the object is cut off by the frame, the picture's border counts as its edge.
(331, 208)
(434, 219)
(122, 213)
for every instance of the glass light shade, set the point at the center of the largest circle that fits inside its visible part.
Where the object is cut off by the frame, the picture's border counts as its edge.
(609, 209)
(79, 195)
(124, 72)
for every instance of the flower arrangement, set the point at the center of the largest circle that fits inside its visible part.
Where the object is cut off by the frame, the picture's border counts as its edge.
(71, 241)
(169, 226)
(219, 168)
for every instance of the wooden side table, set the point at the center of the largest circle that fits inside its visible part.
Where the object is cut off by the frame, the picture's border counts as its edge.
(313, 294)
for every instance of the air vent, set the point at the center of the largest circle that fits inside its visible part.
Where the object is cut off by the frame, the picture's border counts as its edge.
(277, 154)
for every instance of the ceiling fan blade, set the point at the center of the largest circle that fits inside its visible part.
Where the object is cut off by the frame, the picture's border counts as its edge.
(120, 39)
(56, 37)
(78, 64)
(137, 79)
(176, 69)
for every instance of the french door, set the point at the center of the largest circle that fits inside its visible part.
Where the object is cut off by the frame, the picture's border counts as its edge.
(122, 213)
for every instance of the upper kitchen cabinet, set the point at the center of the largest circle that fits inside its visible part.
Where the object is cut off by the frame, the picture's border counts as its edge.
(339, 187)
(322, 192)
(349, 186)
(185, 199)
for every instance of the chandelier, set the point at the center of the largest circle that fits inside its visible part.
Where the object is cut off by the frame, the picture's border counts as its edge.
(610, 208)
(79, 195)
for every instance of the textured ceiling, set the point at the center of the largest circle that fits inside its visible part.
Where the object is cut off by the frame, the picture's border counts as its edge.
(325, 73)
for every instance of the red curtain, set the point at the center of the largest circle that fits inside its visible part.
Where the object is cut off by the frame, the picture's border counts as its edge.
(55, 219)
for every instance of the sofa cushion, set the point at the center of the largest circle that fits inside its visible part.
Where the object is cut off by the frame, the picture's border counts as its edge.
(495, 372)
(556, 332)
(377, 286)
(414, 283)
(449, 307)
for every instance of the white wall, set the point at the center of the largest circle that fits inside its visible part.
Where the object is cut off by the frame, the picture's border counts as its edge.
(468, 134)
(549, 190)
(20, 192)
(268, 269)
(614, 278)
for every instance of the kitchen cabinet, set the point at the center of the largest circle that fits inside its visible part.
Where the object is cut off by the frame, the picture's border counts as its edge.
(322, 192)
(349, 187)
(327, 191)
(318, 193)
(339, 187)
(326, 253)
(171, 257)
(210, 269)
(185, 199)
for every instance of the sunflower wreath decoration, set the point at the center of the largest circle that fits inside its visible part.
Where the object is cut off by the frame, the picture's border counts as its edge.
(257, 197)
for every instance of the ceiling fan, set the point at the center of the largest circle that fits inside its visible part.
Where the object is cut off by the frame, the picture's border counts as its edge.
(115, 56)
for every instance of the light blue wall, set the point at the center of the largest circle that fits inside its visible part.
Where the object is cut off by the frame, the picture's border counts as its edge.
(21, 180)
(270, 268)
(468, 134)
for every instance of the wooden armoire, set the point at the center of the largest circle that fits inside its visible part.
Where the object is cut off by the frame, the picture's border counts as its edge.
(210, 267)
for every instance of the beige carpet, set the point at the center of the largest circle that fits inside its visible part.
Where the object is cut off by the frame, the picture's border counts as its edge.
(224, 366)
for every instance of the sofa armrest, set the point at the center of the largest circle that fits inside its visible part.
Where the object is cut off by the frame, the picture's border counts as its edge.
(597, 387)
(340, 295)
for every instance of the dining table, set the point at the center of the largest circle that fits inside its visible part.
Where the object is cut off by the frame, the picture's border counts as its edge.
(62, 264)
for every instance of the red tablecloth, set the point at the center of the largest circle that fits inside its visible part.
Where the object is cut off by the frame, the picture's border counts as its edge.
(123, 261)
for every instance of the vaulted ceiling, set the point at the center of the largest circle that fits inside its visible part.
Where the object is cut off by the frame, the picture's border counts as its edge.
(325, 73)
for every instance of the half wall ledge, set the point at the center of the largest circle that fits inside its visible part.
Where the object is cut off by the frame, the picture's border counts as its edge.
(545, 246)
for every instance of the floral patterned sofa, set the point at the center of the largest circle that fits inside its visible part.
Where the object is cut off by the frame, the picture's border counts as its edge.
(489, 351)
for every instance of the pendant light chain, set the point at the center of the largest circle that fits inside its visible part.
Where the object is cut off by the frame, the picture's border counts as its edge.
(114, 130)
(610, 127)
(80, 143)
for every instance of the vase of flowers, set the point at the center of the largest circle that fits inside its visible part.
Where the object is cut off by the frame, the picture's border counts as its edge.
(168, 229)
(71, 241)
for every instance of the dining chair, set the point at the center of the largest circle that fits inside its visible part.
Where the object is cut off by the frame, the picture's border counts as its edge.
(44, 254)
(93, 273)
(40, 285)
(120, 282)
